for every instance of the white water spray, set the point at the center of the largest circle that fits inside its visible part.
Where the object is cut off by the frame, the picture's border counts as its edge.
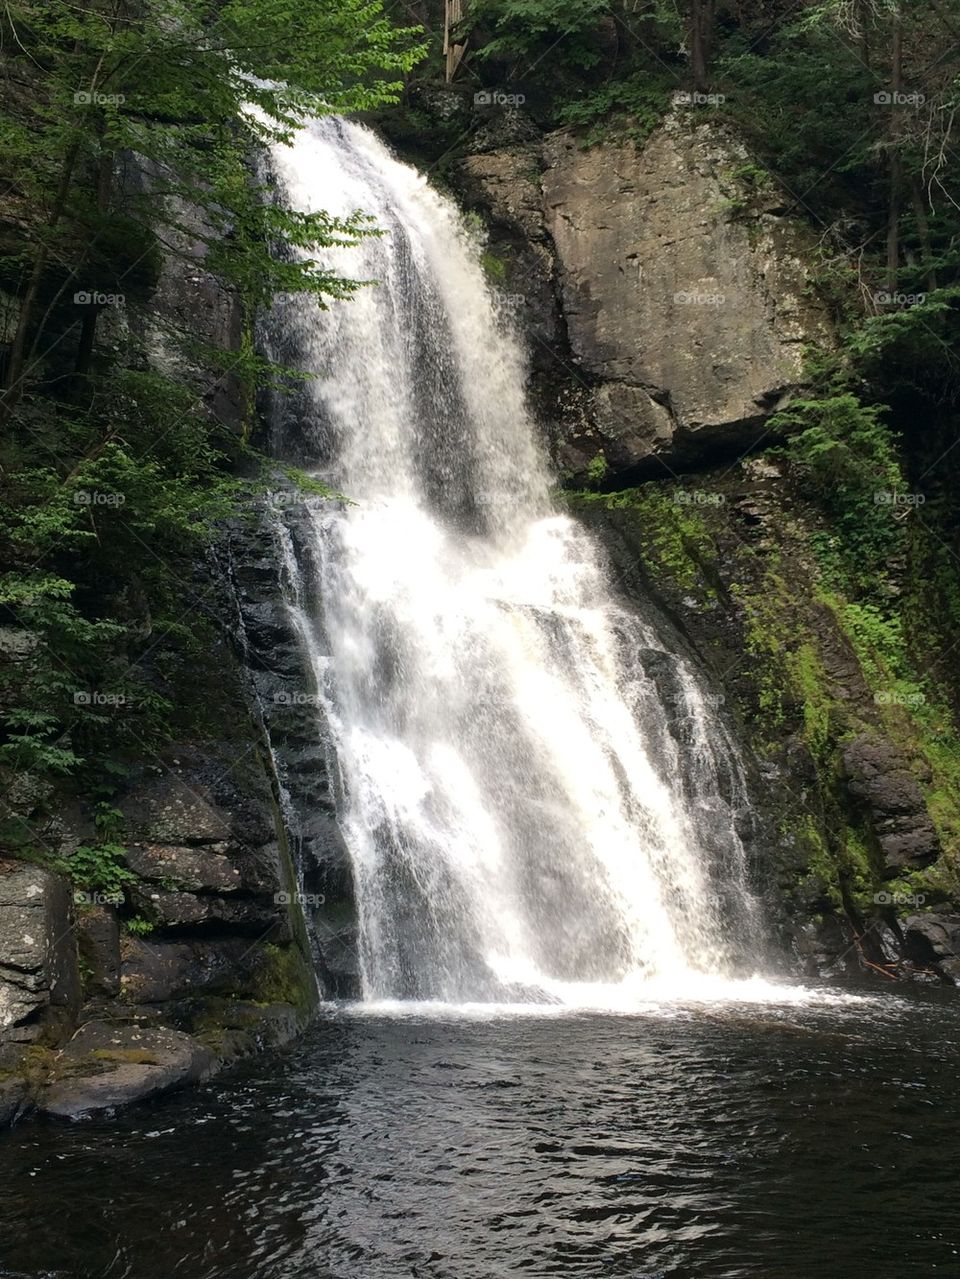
(521, 821)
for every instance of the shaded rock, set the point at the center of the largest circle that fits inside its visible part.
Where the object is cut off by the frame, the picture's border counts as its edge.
(39, 979)
(826, 948)
(106, 1065)
(878, 776)
(933, 939)
(13, 1099)
(206, 869)
(505, 186)
(188, 302)
(198, 799)
(633, 425)
(235, 1028)
(154, 972)
(171, 909)
(98, 935)
(510, 181)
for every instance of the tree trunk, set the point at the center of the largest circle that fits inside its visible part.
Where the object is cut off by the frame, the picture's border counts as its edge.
(15, 368)
(88, 327)
(896, 164)
(453, 13)
(923, 231)
(698, 44)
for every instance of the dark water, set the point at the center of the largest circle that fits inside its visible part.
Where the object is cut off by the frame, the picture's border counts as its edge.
(787, 1143)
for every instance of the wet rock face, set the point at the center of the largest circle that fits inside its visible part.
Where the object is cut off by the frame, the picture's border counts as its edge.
(295, 722)
(39, 980)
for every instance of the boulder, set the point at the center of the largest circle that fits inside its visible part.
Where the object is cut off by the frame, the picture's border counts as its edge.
(107, 1065)
(39, 978)
(933, 938)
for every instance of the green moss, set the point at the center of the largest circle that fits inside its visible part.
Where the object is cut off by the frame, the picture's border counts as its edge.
(285, 978)
(767, 639)
(676, 540)
(127, 1056)
(494, 267)
(808, 685)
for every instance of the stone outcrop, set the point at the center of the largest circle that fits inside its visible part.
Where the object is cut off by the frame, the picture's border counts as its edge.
(106, 1066)
(668, 284)
(933, 938)
(879, 776)
(225, 969)
(39, 979)
(204, 853)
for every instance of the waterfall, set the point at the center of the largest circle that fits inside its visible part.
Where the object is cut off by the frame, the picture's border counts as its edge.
(526, 819)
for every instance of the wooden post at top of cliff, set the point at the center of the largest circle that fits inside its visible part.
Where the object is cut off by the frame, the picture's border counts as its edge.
(453, 52)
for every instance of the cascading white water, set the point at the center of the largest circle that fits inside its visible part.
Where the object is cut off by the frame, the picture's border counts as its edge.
(523, 825)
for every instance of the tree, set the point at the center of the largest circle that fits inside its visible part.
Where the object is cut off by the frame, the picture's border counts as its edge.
(185, 92)
(170, 82)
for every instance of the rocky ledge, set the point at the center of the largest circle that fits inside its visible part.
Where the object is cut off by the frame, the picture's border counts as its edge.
(107, 998)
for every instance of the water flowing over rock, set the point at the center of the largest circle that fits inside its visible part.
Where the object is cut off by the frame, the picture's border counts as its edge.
(526, 817)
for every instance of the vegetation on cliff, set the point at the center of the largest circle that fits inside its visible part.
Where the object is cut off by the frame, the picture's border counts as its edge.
(128, 131)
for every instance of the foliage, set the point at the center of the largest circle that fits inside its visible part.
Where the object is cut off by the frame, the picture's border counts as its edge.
(523, 29)
(98, 867)
(846, 458)
(115, 478)
(637, 103)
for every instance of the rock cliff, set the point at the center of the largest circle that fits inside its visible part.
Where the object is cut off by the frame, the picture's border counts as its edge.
(669, 288)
